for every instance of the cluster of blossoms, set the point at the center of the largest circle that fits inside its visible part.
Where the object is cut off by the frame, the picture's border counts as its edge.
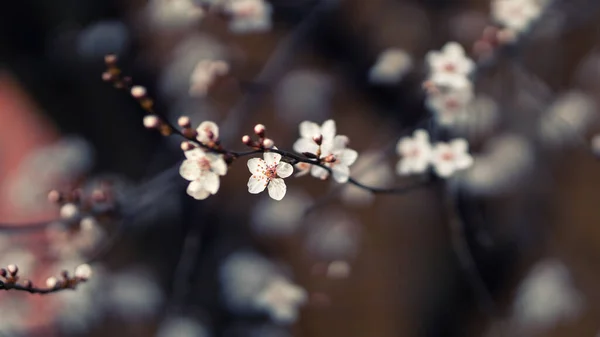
(391, 66)
(449, 86)
(11, 280)
(516, 16)
(417, 154)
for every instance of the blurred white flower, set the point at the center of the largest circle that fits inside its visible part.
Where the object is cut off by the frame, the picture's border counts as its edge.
(338, 269)
(450, 104)
(174, 13)
(182, 327)
(546, 297)
(370, 171)
(244, 275)
(567, 119)
(333, 236)
(332, 150)
(280, 218)
(448, 158)
(281, 300)
(503, 164)
(204, 75)
(268, 173)
(202, 170)
(391, 66)
(450, 66)
(133, 294)
(516, 15)
(249, 16)
(415, 153)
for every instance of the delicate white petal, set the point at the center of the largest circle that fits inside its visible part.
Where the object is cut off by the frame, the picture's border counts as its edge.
(284, 170)
(309, 130)
(194, 154)
(403, 167)
(340, 142)
(453, 49)
(277, 189)
(305, 145)
(328, 129)
(459, 145)
(463, 161)
(302, 169)
(189, 170)
(257, 184)
(341, 173)
(272, 158)
(196, 191)
(319, 172)
(206, 128)
(347, 157)
(217, 164)
(210, 181)
(444, 169)
(256, 166)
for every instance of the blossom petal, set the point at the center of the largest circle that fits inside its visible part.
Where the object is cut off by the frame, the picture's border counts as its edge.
(463, 161)
(347, 157)
(256, 166)
(194, 154)
(277, 188)
(444, 168)
(305, 145)
(459, 146)
(328, 129)
(284, 170)
(340, 142)
(257, 184)
(319, 172)
(205, 129)
(210, 181)
(189, 170)
(272, 158)
(309, 130)
(341, 173)
(302, 169)
(196, 191)
(217, 164)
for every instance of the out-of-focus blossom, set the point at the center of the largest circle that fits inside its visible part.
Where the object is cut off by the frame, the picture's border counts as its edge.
(390, 67)
(516, 15)
(303, 94)
(369, 171)
(280, 218)
(249, 16)
(450, 104)
(567, 119)
(333, 236)
(202, 170)
(269, 173)
(546, 297)
(338, 269)
(450, 67)
(480, 118)
(447, 158)
(182, 327)
(504, 162)
(133, 294)
(174, 13)
(62, 162)
(204, 75)
(332, 149)
(281, 300)
(244, 275)
(415, 153)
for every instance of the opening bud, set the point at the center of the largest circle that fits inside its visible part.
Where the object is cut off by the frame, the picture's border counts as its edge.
(268, 143)
(247, 140)
(12, 269)
(259, 130)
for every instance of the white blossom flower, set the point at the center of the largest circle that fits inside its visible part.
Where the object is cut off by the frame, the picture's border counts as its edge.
(249, 16)
(281, 300)
(333, 151)
(174, 13)
(207, 131)
(391, 66)
(547, 296)
(450, 105)
(268, 173)
(415, 152)
(450, 66)
(204, 75)
(448, 158)
(202, 170)
(516, 15)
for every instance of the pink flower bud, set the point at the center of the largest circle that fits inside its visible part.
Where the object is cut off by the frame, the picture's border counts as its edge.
(12, 269)
(268, 143)
(259, 130)
(186, 146)
(184, 122)
(83, 271)
(246, 140)
(51, 282)
(151, 121)
(54, 196)
(138, 92)
(69, 211)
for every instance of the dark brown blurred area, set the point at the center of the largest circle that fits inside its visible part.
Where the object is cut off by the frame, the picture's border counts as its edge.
(406, 279)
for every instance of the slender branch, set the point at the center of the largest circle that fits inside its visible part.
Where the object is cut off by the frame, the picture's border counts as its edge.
(32, 290)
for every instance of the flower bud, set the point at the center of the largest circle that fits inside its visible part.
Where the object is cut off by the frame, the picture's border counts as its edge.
(318, 139)
(259, 130)
(107, 77)
(186, 146)
(69, 211)
(51, 282)
(247, 140)
(268, 143)
(83, 272)
(138, 92)
(27, 284)
(12, 269)
(3, 272)
(184, 122)
(54, 196)
(110, 59)
(151, 121)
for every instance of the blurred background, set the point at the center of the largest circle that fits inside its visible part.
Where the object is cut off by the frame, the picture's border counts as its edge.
(349, 263)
